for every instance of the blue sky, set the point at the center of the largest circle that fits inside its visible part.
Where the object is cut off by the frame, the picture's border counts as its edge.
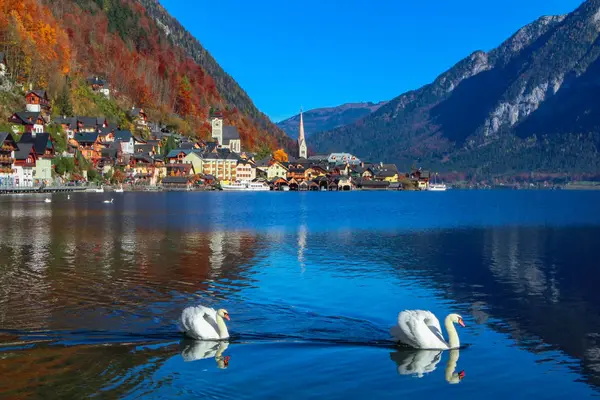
(328, 52)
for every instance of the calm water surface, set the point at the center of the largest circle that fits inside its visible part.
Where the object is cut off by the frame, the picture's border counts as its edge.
(90, 294)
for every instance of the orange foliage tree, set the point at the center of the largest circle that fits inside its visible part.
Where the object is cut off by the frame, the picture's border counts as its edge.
(280, 155)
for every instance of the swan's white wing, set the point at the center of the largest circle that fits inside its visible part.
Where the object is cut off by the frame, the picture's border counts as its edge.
(200, 322)
(420, 329)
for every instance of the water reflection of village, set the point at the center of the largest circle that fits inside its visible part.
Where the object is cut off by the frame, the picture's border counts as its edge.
(84, 259)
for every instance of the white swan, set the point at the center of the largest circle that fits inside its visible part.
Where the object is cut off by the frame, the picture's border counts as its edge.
(204, 323)
(68, 197)
(47, 200)
(108, 201)
(193, 350)
(421, 330)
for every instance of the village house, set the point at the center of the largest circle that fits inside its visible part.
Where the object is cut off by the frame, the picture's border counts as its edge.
(420, 177)
(138, 116)
(24, 164)
(362, 172)
(296, 172)
(276, 170)
(7, 158)
(196, 159)
(314, 172)
(44, 151)
(99, 85)
(245, 170)
(179, 169)
(89, 145)
(343, 158)
(125, 140)
(227, 137)
(68, 124)
(222, 165)
(28, 121)
(387, 172)
(37, 101)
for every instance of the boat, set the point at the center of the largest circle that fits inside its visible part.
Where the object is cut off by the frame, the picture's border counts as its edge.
(246, 186)
(119, 190)
(437, 187)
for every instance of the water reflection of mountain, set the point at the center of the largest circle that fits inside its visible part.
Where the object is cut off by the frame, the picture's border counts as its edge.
(540, 282)
(61, 266)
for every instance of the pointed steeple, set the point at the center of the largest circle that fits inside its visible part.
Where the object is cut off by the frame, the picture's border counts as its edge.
(302, 150)
(301, 131)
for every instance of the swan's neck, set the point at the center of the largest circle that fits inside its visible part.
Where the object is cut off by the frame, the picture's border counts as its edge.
(222, 328)
(453, 341)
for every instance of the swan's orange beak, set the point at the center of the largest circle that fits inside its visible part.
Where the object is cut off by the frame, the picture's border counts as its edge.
(461, 323)
(461, 374)
(227, 317)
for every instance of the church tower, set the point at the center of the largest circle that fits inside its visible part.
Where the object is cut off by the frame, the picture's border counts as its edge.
(302, 153)
(217, 127)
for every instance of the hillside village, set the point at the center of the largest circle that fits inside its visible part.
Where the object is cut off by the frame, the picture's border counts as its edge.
(45, 151)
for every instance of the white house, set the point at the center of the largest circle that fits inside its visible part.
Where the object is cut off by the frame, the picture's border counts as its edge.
(125, 138)
(276, 170)
(25, 159)
(343, 158)
(245, 170)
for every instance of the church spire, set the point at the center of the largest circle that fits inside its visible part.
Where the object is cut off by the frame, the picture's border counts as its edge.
(302, 151)
(301, 131)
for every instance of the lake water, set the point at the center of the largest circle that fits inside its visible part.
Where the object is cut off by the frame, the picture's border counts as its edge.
(90, 294)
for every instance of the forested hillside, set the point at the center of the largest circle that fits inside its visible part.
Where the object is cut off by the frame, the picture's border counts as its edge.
(57, 44)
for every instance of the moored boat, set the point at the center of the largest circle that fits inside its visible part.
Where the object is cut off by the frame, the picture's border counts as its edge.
(246, 186)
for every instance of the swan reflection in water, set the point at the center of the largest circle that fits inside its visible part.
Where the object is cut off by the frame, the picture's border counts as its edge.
(420, 362)
(193, 350)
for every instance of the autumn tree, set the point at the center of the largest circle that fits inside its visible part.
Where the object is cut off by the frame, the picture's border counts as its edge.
(183, 102)
(63, 105)
(280, 155)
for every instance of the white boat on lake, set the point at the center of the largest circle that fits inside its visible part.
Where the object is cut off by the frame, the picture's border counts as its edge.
(437, 187)
(246, 186)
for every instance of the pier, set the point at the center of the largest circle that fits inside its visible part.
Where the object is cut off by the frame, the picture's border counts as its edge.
(42, 189)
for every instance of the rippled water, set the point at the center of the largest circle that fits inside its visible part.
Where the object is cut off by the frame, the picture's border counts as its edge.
(90, 294)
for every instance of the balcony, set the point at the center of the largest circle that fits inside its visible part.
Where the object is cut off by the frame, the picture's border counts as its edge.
(6, 160)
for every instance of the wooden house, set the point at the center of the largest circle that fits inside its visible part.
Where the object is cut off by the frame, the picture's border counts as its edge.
(37, 101)
(89, 145)
(31, 121)
(314, 172)
(7, 149)
(296, 173)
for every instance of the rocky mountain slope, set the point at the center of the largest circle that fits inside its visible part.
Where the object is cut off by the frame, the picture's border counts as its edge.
(327, 118)
(508, 110)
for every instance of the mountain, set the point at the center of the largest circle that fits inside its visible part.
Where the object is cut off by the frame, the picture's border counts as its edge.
(324, 119)
(528, 105)
(145, 55)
